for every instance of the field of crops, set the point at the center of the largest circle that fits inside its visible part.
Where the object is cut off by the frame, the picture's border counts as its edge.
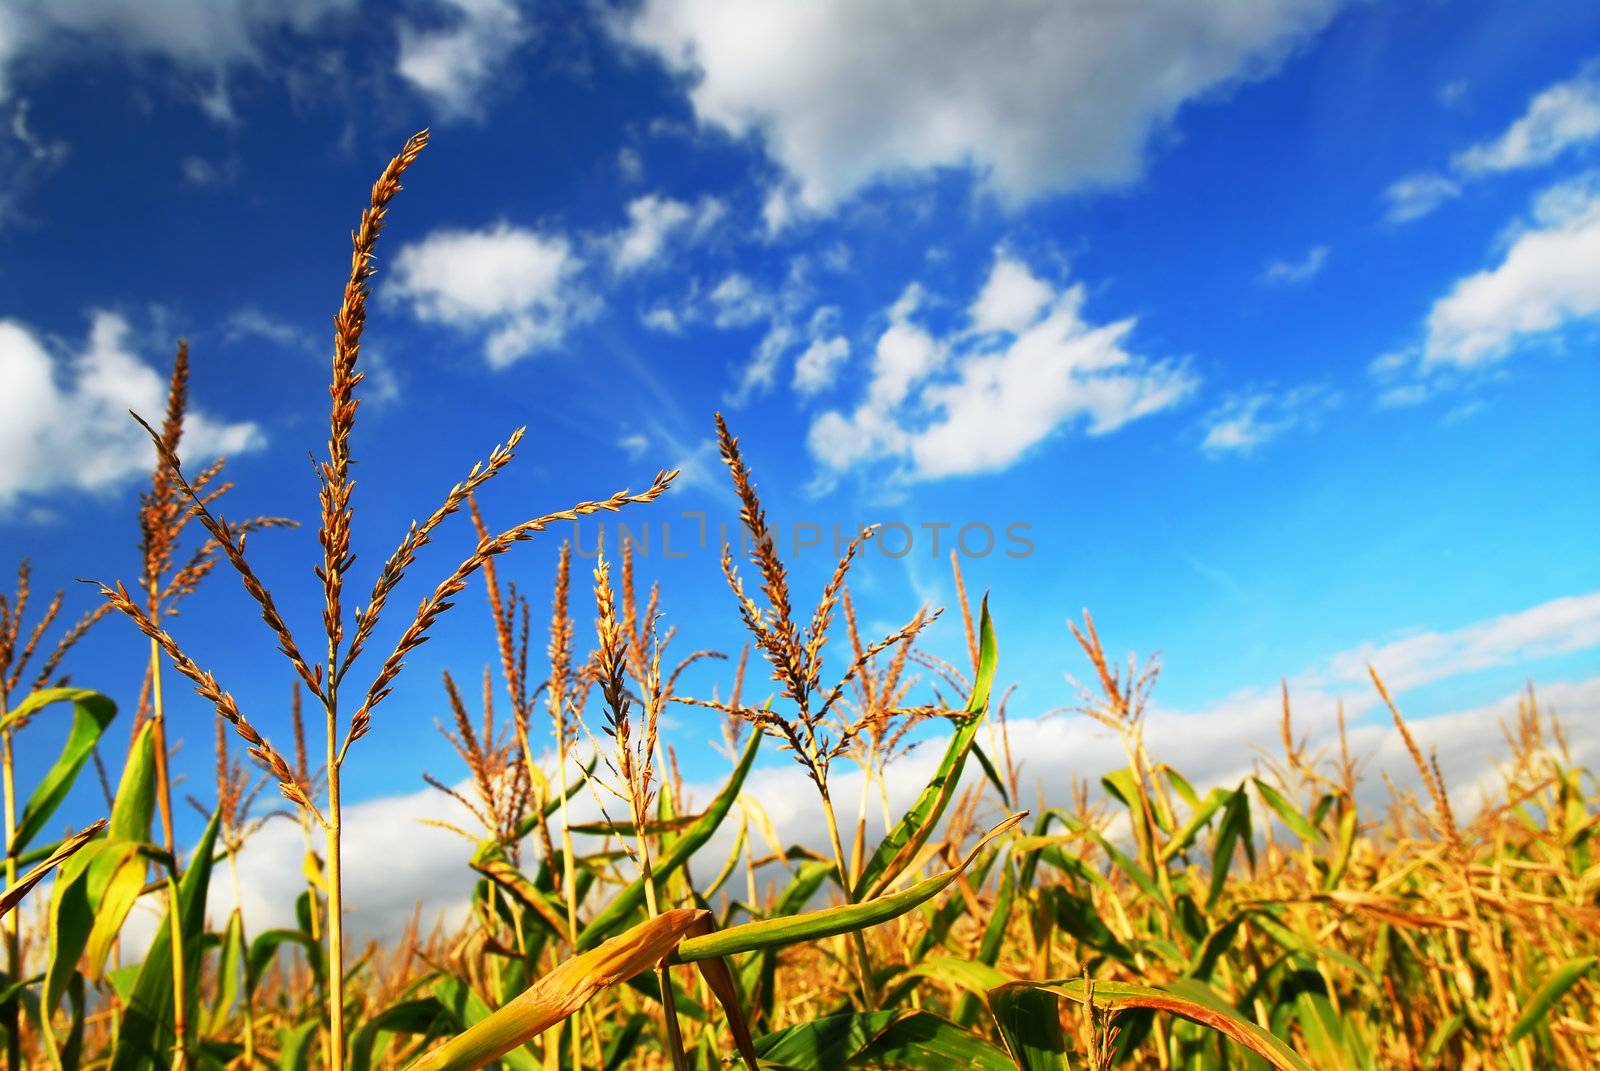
(1153, 924)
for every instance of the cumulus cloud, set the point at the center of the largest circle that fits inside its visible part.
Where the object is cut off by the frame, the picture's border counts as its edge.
(1245, 421)
(976, 399)
(816, 369)
(1045, 96)
(456, 66)
(1562, 117)
(1546, 281)
(1549, 277)
(514, 286)
(1294, 272)
(652, 221)
(64, 422)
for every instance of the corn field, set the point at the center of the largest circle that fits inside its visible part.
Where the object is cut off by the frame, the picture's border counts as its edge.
(1271, 923)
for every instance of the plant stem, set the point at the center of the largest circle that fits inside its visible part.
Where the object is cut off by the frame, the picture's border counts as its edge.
(13, 935)
(569, 887)
(335, 896)
(158, 732)
(247, 1001)
(863, 961)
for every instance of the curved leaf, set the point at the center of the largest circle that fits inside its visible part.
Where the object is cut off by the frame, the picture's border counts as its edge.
(899, 1038)
(69, 847)
(1553, 989)
(1213, 1013)
(561, 992)
(91, 713)
(901, 844)
(831, 921)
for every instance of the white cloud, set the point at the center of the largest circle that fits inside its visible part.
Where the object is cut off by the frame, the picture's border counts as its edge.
(204, 35)
(514, 285)
(737, 302)
(250, 322)
(1549, 277)
(457, 67)
(65, 424)
(1293, 272)
(1565, 116)
(816, 369)
(634, 444)
(1245, 421)
(976, 400)
(1011, 299)
(652, 221)
(1416, 196)
(662, 318)
(1035, 95)
(1560, 626)
(1561, 117)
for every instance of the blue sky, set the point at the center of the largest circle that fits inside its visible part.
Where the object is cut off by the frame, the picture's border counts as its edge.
(1272, 324)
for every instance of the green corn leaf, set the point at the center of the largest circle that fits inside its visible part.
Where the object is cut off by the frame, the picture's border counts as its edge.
(902, 843)
(146, 1036)
(829, 922)
(229, 969)
(134, 807)
(1180, 784)
(1234, 828)
(974, 978)
(991, 773)
(903, 1039)
(113, 900)
(1030, 1026)
(1194, 1002)
(823, 1044)
(1348, 825)
(424, 1016)
(1298, 824)
(71, 919)
(91, 713)
(1121, 860)
(296, 1044)
(91, 899)
(1186, 834)
(1554, 987)
(624, 1042)
(626, 902)
(1077, 916)
(266, 945)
